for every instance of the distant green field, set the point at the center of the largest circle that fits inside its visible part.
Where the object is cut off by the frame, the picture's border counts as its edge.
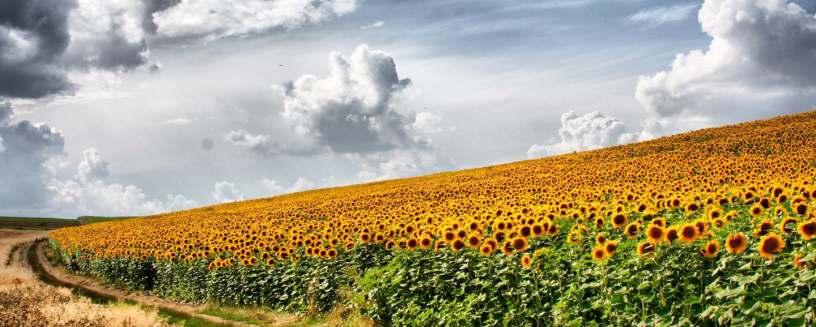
(84, 220)
(36, 223)
(50, 223)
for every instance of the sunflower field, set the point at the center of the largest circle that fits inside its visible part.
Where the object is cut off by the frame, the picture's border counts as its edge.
(713, 227)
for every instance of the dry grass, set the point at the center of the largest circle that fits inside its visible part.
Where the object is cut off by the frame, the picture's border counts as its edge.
(24, 301)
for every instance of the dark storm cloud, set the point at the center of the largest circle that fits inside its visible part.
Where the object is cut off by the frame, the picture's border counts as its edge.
(28, 147)
(152, 7)
(33, 36)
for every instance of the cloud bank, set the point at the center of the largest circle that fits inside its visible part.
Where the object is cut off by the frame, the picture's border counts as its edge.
(761, 58)
(90, 193)
(586, 132)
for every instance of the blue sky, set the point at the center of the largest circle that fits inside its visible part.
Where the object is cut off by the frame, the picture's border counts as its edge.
(218, 104)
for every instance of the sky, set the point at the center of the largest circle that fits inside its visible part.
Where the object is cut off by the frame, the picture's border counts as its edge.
(135, 107)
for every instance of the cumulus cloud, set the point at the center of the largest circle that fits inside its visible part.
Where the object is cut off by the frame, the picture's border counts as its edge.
(212, 19)
(429, 123)
(92, 168)
(41, 41)
(226, 192)
(586, 132)
(301, 184)
(264, 146)
(352, 110)
(654, 17)
(401, 163)
(376, 24)
(89, 193)
(762, 54)
(28, 148)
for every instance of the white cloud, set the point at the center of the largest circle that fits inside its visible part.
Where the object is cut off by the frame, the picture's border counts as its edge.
(2, 146)
(301, 184)
(654, 17)
(264, 146)
(401, 163)
(90, 193)
(226, 192)
(577, 133)
(179, 121)
(352, 110)
(429, 123)
(762, 56)
(376, 24)
(212, 19)
(92, 168)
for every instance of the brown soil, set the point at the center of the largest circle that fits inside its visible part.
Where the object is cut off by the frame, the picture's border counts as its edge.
(91, 285)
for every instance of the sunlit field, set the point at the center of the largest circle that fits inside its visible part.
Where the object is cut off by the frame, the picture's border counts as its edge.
(713, 227)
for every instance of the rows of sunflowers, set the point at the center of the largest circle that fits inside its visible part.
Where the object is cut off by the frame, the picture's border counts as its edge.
(713, 227)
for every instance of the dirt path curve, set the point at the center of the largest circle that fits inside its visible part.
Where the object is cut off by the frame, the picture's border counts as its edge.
(53, 275)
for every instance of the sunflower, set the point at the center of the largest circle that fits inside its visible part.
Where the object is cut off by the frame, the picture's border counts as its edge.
(474, 241)
(671, 234)
(763, 228)
(486, 249)
(807, 229)
(599, 222)
(633, 230)
(659, 222)
(756, 210)
(655, 234)
(457, 245)
(770, 245)
(711, 249)
(507, 248)
(574, 237)
(788, 225)
(600, 238)
(520, 244)
(538, 230)
(719, 222)
(715, 214)
(688, 233)
(645, 248)
(599, 253)
(425, 242)
(798, 263)
(412, 244)
(619, 220)
(801, 209)
(736, 243)
(610, 246)
(526, 261)
(525, 231)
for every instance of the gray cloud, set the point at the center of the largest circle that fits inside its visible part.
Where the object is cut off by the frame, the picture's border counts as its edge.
(577, 133)
(264, 146)
(33, 36)
(23, 163)
(352, 110)
(152, 7)
(760, 50)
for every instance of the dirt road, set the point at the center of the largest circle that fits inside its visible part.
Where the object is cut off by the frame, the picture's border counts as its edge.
(25, 269)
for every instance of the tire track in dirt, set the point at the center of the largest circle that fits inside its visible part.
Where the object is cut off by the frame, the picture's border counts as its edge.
(41, 266)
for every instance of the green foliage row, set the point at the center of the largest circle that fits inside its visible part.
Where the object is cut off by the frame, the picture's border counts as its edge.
(307, 285)
(563, 287)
